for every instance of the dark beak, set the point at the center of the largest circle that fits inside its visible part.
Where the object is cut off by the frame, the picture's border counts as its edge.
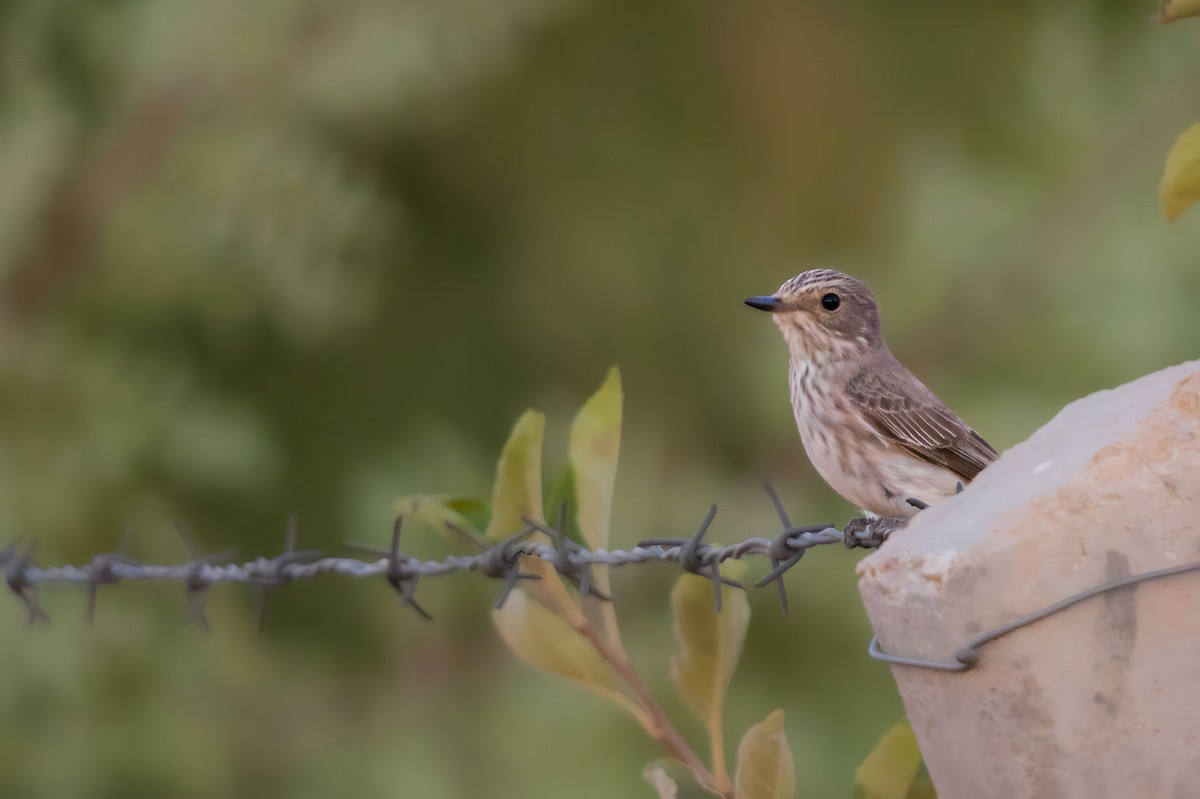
(764, 303)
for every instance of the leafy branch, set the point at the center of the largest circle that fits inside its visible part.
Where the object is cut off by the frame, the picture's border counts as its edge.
(571, 632)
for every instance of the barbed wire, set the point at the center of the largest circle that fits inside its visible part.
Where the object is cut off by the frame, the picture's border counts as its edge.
(502, 561)
(497, 560)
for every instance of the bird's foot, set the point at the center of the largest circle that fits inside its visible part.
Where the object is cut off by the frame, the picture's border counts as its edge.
(870, 533)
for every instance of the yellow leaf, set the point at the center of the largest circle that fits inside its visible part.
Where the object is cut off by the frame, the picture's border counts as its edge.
(518, 489)
(888, 771)
(1173, 10)
(594, 447)
(710, 644)
(593, 450)
(1180, 186)
(517, 493)
(765, 769)
(543, 639)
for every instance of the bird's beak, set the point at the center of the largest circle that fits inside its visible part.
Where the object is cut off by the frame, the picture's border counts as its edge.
(765, 303)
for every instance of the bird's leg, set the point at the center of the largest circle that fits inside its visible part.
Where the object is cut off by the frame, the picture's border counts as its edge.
(869, 532)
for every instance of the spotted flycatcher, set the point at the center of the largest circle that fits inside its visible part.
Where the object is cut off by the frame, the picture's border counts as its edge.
(873, 431)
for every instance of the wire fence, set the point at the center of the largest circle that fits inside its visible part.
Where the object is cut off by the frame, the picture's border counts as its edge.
(497, 560)
(502, 561)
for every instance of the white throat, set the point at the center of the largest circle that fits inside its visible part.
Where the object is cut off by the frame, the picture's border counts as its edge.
(812, 346)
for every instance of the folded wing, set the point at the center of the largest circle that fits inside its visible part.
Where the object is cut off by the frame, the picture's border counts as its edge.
(908, 414)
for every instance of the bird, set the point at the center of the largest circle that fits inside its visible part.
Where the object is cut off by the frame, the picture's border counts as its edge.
(874, 432)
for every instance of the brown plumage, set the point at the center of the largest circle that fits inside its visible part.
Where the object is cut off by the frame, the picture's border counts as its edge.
(901, 408)
(872, 429)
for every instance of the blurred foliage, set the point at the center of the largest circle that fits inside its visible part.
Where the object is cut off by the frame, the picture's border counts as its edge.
(303, 256)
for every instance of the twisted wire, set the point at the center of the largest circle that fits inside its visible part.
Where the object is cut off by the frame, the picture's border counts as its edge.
(502, 561)
(498, 560)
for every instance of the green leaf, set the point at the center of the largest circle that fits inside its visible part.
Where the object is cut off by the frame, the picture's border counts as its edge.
(1180, 186)
(673, 780)
(921, 788)
(890, 770)
(563, 493)
(710, 644)
(475, 510)
(518, 489)
(435, 511)
(543, 639)
(594, 448)
(765, 769)
(1174, 10)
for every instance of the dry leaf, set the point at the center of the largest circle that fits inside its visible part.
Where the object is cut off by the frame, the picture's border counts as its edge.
(765, 769)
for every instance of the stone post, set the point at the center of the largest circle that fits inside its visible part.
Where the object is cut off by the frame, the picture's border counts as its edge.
(1103, 698)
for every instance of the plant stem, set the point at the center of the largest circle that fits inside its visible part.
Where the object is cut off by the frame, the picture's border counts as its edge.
(663, 731)
(716, 734)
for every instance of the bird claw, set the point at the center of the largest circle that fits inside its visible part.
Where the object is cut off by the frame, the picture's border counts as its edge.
(870, 533)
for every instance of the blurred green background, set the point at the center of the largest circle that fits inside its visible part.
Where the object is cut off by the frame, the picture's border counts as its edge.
(309, 256)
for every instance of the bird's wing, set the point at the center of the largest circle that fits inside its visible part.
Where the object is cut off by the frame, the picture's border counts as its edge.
(910, 415)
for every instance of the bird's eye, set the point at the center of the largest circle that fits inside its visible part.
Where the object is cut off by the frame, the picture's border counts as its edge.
(831, 302)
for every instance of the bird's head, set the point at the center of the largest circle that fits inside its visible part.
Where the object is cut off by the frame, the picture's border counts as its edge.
(822, 311)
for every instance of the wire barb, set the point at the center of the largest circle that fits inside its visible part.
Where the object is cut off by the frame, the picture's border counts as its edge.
(102, 574)
(694, 555)
(273, 572)
(17, 566)
(788, 547)
(401, 574)
(196, 583)
(578, 572)
(504, 562)
(777, 555)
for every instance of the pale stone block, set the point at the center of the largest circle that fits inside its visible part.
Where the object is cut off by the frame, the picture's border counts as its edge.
(1102, 699)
